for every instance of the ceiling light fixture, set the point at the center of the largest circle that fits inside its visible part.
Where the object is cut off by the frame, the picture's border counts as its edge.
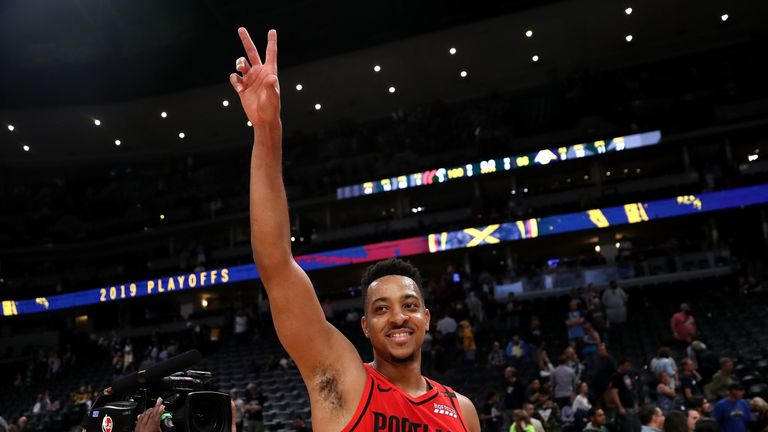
(117, 142)
(163, 114)
(528, 33)
(452, 51)
(318, 106)
(391, 89)
(249, 123)
(724, 17)
(463, 74)
(26, 147)
(181, 135)
(377, 68)
(535, 58)
(628, 11)
(225, 103)
(628, 38)
(97, 122)
(299, 87)
(11, 128)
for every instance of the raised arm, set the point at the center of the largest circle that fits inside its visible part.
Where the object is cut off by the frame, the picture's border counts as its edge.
(314, 344)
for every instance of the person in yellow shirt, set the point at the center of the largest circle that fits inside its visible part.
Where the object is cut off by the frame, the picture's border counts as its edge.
(467, 338)
(522, 423)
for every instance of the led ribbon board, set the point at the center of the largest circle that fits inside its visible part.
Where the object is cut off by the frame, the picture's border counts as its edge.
(636, 212)
(490, 166)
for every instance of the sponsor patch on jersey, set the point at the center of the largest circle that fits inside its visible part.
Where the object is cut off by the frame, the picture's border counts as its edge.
(445, 410)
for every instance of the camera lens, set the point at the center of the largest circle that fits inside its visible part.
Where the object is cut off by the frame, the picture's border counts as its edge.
(206, 415)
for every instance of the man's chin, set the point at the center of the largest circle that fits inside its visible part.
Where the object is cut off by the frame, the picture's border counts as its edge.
(402, 359)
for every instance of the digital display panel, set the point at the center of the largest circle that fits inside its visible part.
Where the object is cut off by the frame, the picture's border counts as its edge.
(490, 166)
(630, 213)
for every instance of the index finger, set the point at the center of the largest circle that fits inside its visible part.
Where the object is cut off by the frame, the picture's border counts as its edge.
(250, 48)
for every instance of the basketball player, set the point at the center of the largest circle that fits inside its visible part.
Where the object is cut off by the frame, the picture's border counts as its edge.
(389, 394)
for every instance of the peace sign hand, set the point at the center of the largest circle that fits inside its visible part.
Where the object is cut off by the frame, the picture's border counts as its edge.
(258, 87)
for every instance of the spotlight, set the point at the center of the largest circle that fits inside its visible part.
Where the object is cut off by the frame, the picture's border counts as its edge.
(452, 51)
(377, 68)
(26, 148)
(618, 245)
(724, 17)
(163, 114)
(97, 122)
(162, 217)
(628, 11)
(204, 303)
(117, 142)
(293, 239)
(529, 33)
(299, 87)
(535, 58)
(318, 106)
(11, 128)
(391, 89)
(463, 74)
(181, 135)
(628, 38)
(597, 248)
(225, 103)
(249, 123)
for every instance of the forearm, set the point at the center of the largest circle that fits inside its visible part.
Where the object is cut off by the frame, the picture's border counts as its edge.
(270, 224)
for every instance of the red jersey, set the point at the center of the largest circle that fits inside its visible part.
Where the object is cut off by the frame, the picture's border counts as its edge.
(384, 407)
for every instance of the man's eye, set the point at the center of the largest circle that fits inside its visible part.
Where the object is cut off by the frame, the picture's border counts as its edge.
(410, 305)
(380, 308)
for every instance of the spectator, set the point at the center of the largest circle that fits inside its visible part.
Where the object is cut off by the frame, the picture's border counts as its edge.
(732, 412)
(651, 418)
(41, 403)
(663, 362)
(549, 411)
(675, 421)
(596, 313)
(446, 330)
(490, 416)
(254, 407)
(624, 397)
(689, 380)
(573, 362)
(521, 422)
(665, 393)
(596, 418)
(581, 401)
(615, 302)
(54, 366)
(239, 409)
(467, 338)
(693, 416)
(21, 423)
(535, 335)
(516, 351)
(241, 326)
(532, 391)
(760, 414)
(721, 381)
(563, 382)
(574, 321)
(601, 371)
(496, 355)
(545, 366)
(514, 392)
(531, 411)
(700, 404)
(589, 342)
(683, 325)
(475, 307)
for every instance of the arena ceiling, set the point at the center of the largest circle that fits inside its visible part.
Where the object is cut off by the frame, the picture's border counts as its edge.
(66, 64)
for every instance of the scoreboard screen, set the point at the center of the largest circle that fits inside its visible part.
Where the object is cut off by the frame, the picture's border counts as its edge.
(490, 166)
(630, 213)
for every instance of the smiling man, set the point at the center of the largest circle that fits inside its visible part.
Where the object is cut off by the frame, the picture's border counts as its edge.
(389, 394)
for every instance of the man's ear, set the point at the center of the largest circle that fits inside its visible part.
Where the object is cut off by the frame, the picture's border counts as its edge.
(364, 325)
(429, 317)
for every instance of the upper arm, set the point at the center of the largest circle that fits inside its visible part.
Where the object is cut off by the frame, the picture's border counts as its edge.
(313, 343)
(469, 412)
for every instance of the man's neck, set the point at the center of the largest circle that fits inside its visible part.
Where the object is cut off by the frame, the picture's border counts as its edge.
(406, 377)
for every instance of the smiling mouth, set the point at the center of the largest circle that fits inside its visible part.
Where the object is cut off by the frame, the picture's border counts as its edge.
(400, 335)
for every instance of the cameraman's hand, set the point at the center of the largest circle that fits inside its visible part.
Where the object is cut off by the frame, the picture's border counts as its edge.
(149, 421)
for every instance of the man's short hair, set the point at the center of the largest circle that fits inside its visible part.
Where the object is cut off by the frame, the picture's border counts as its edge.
(696, 402)
(646, 413)
(725, 360)
(736, 385)
(389, 267)
(593, 411)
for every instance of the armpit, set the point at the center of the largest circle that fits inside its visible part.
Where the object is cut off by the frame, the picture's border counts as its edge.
(326, 384)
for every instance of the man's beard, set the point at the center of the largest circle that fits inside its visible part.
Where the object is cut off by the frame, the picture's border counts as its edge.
(403, 360)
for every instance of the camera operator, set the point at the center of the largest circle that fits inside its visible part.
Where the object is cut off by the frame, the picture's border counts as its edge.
(149, 421)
